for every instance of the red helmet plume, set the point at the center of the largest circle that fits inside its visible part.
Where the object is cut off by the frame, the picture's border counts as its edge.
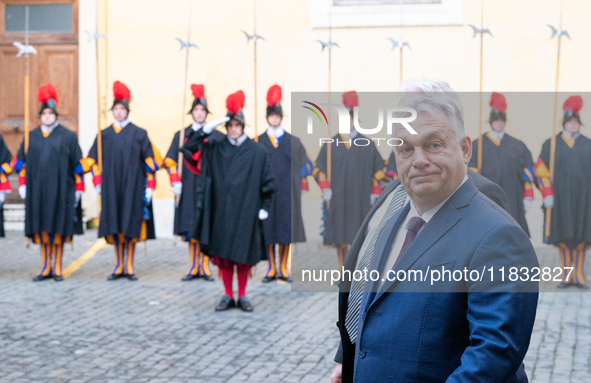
(235, 102)
(46, 93)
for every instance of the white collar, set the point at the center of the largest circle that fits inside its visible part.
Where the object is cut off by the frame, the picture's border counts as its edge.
(122, 124)
(49, 129)
(275, 132)
(431, 212)
(238, 141)
(351, 135)
(497, 135)
(195, 126)
(567, 134)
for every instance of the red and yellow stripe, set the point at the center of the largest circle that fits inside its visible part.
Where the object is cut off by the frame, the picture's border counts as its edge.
(543, 175)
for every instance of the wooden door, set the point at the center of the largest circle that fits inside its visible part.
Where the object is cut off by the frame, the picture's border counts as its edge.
(53, 32)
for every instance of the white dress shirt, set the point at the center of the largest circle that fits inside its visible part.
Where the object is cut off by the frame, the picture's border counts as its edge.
(196, 126)
(351, 135)
(497, 135)
(239, 140)
(400, 234)
(275, 132)
(570, 135)
(50, 128)
(121, 124)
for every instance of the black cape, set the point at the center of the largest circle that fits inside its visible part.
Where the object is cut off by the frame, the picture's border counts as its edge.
(184, 213)
(285, 224)
(124, 181)
(4, 159)
(352, 180)
(504, 166)
(51, 185)
(571, 214)
(238, 183)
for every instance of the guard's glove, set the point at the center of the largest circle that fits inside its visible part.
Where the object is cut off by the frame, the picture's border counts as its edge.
(149, 194)
(549, 201)
(210, 126)
(2, 198)
(22, 191)
(177, 188)
(527, 203)
(327, 194)
(78, 197)
(263, 215)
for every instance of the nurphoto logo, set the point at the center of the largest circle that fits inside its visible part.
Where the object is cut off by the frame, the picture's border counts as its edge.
(394, 115)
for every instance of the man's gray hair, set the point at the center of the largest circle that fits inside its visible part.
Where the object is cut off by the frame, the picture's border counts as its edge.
(427, 95)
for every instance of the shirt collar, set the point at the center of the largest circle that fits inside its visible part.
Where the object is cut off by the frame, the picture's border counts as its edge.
(121, 124)
(238, 141)
(431, 212)
(351, 135)
(275, 132)
(497, 135)
(196, 126)
(49, 128)
(567, 134)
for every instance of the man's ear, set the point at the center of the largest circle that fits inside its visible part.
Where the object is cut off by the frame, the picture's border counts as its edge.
(466, 145)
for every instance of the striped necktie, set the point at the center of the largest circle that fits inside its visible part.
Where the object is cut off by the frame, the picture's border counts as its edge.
(356, 292)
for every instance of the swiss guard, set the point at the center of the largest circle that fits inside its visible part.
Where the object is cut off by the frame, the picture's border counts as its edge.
(51, 183)
(506, 161)
(289, 165)
(126, 184)
(354, 187)
(186, 190)
(5, 188)
(236, 199)
(568, 193)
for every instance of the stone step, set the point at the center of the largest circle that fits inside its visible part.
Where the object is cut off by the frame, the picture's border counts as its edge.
(14, 213)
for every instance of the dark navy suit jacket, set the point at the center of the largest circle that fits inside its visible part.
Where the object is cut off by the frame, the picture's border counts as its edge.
(472, 332)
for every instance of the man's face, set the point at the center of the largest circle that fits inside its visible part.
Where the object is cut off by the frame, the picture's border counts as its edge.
(274, 120)
(431, 164)
(572, 126)
(119, 112)
(234, 129)
(199, 114)
(497, 125)
(48, 117)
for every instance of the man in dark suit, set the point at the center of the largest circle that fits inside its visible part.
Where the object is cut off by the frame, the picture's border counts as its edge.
(412, 331)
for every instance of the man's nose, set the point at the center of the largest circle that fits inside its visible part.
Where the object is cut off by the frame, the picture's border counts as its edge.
(420, 159)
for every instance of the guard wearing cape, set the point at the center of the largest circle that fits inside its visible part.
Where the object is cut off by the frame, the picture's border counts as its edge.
(185, 190)
(236, 196)
(51, 183)
(126, 184)
(356, 172)
(290, 165)
(506, 161)
(5, 188)
(568, 193)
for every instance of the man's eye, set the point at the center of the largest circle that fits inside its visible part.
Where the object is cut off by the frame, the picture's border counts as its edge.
(435, 145)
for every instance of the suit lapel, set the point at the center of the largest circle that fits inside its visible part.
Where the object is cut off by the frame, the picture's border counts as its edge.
(350, 261)
(383, 243)
(441, 223)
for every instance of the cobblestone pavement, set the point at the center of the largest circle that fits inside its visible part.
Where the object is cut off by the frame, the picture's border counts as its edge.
(160, 329)
(157, 329)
